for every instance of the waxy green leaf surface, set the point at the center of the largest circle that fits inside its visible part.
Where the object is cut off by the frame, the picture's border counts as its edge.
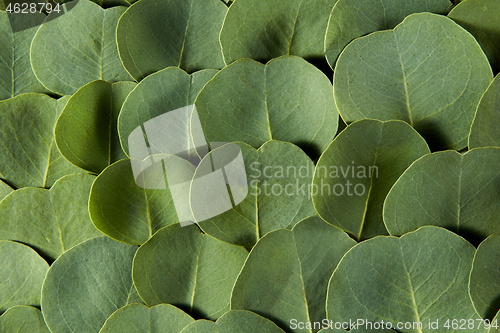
(23, 319)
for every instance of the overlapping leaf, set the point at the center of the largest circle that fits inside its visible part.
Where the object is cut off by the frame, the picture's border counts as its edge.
(78, 47)
(4, 190)
(22, 272)
(23, 319)
(287, 99)
(193, 271)
(86, 284)
(153, 35)
(406, 74)
(419, 277)
(352, 19)
(357, 170)
(56, 219)
(287, 272)
(485, 130)
(447, 189)
(86, 132)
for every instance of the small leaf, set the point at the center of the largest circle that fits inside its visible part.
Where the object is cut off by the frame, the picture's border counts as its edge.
(23, 319)
(86, 284)
(4, 190)
(22, 275)
(193, 271)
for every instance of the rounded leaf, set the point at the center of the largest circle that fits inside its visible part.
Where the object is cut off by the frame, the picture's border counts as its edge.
(23, 319)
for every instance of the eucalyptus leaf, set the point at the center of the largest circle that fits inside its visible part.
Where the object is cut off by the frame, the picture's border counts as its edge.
(153, 35)
(4, 190)
(390, 75)
(138, 318)
(23, 319)
(355, 173)
(279, 175)
(480, 18)
(29, 155)
(193, 271)
(484, 288)
(22, 272)
(286, 274)
(448, 189)
(167, 90)
(86, 284)
(86, 131)
(485, 130)
(392, 279)
(287, 99)
(351, 19)
(78, 47)
(16, 75)
(265, 30)
(234, 321)
(57, 219)
(494, 327)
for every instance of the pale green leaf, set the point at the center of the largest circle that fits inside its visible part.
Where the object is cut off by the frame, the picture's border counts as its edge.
(184, 267)
(153, 35)
(355, 173)
(56, 219)
(23, 319)
(286, 274)
(428, 71)
(22, 272)
(4, 190)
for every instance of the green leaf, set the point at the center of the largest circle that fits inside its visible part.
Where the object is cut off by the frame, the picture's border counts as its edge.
(23, 319)
(162, 318)
(22, 273)
(447, 189)
(153, 35)
(483, 284)
(390, 75)
(355, 173)
(86, 132)
(287, 99)
(234, 321)
(484, 130)
(480, 18)
(78, 47)
(193, 271)
(167, 90)
(4, 190)
(57, 219)
(86, 284)
(16, 75)
(351, 19)
(279, 175)
(286, 274)
(419, 277)
(495, 326)
(266, 30)
(30, 156)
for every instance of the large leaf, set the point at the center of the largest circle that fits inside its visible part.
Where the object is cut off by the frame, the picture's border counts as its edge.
(355, 173)
(86, 284)
(138, 318)
(234, 321)
(279, 175)
(389, 75)
(153, 35)
(266, 30)
(193, 271)
(480, 18)
(86, 132)
(286, 274)
(447, 189)
(287, 99)
(23, 319)
(485, 129)
(57, 219)
(16, 75)
(22, 272)
(29, 155)
(78, 47)
(167, 90)
(484, 288)
(351, 19)
(419, 277)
